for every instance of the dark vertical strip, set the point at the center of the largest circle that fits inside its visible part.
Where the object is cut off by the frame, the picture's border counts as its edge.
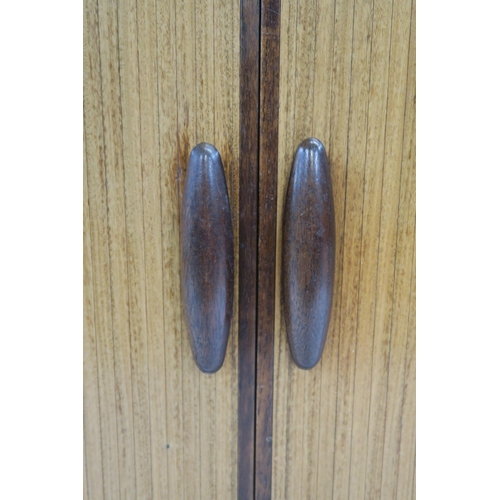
(247, 326)
(268, 173)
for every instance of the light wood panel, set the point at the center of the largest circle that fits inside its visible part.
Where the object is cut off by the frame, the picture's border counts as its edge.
(346, 429)
(159, 77)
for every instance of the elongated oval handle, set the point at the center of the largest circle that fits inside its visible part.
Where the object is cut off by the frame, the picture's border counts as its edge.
(308, 253)
(207, 274)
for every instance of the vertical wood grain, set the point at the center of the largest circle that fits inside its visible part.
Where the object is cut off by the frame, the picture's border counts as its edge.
(282, 376)
(391, 175)
(406, 449)
(152, 208)
(153, 427)
(134, 214)
(248, 67)
(170, 201)
(368, 265)
(93, 479)
(414, 485)
(97, 157)
(226, 112)
(266, 250)
(187, 102)
(346, 428)
(85, 490)
(118, 244)
(402, 293)
(406, 466)
(356, 150)
(406, 483)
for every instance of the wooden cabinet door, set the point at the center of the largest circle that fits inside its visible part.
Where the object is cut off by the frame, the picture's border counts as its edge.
(346, 428)
(159, 77)
(254, 78)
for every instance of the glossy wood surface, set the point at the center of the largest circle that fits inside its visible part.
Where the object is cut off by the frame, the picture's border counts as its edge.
(159, 78)
(207, 277)
(346, 428)
(308, 253)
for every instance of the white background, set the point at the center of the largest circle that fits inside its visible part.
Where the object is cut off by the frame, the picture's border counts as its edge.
(458, 249)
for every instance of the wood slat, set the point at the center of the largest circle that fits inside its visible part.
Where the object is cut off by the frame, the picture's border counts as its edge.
(391, 176)
(266, 251)
(406, 448)
(152, 211)
(170, 202)
(129, 87)
(187, 131)
(85, 490)
(368, 265)
(402, 294)
(247, 217)
(281, 395)
(93, 480)
(97, 159)
(353, 224)
(116, 222)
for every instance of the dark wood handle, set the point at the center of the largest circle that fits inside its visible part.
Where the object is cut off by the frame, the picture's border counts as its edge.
(308, 253)
(207, 275)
